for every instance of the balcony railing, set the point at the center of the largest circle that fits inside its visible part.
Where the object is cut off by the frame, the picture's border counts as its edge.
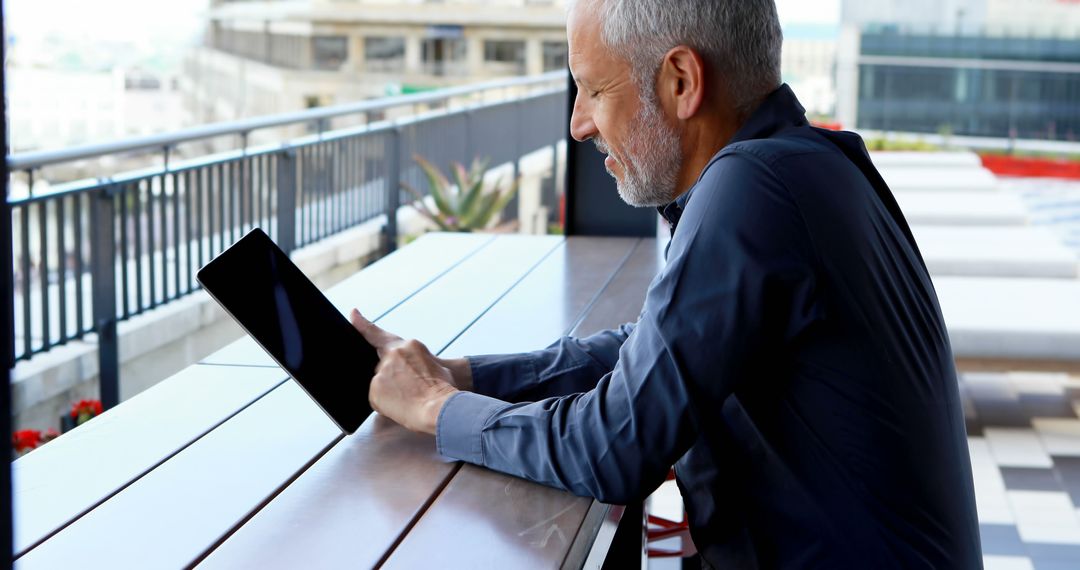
(91, 253)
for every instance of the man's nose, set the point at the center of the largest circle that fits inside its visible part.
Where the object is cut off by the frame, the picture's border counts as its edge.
(582, 127)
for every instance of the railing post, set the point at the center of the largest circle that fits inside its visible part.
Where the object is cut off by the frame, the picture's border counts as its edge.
(103, 274)
(286, 206)
(393, 190)
(512, 205)
(549, 191)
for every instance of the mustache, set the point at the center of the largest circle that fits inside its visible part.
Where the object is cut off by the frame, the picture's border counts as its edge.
(601, 145)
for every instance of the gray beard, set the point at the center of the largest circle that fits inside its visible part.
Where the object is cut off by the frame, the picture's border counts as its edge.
(654, 157)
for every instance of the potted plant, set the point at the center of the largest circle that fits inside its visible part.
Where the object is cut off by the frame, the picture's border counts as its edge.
(462, 204)
(81, 412)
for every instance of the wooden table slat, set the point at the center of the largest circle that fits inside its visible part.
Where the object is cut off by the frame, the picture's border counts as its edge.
(546, 305)
(487, 520)
(624, 296)
(169, 517)
(509, 519)
(353, 504)
(64, 479)
(472, 288)
(252, 460)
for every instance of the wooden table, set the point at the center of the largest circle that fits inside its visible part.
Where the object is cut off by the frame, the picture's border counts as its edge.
(228, 464)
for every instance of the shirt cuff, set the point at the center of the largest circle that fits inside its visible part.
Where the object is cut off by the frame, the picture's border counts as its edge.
(502, 375)
(460, 425)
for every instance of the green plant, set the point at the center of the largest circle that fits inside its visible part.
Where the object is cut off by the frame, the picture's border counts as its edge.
(463, 205)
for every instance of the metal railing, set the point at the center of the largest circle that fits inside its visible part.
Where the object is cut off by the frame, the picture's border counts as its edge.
(89, 254)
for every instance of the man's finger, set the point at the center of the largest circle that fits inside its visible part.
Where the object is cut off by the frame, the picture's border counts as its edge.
(372, 333)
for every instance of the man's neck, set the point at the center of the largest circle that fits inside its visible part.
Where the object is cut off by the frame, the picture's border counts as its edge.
(705, 140)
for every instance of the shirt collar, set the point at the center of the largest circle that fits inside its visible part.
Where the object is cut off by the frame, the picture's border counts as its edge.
(780, 110)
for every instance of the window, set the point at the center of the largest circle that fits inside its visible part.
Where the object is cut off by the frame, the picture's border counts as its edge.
(554, 56)
(444, 56)
(384, 53)
(504, 51)
(329, 52)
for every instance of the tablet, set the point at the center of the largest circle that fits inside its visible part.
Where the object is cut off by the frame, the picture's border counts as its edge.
(275, 303)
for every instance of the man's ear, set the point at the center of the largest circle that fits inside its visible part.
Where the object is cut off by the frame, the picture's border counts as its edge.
(682, 81)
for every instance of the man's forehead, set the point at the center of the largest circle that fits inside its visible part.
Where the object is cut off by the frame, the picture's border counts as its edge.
(583, 35)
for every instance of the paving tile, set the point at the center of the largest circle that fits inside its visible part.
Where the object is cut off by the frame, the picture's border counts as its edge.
(1052, 534)
(1001, 540)
(1053, 564)
(1031, 479)
(1059, 436)
(1068, 470)
(1017, 447)
(1067, 552)
(1007, 563)
(1046, 405)
(1049, 383)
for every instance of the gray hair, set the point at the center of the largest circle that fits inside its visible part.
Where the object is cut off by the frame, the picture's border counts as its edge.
(740, 39)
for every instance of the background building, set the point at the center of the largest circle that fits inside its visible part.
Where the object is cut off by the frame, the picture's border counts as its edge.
(261, 58)
(808, 65)
(966, 67)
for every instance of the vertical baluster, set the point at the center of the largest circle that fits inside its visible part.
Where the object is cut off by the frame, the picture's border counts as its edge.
(226, 205)
(285, 182)
(151, 227)
(393, 193)
(324, 190)
(80, 268)
(249, 193)
(176, 233)
(256, 190)
(43, 272)
(125, 250)
(201, 177)
(187, 231)
(365, 190)
(137, 212)
(24, 230)
(268, 189)
(305, 197)
(350, 181)
(61, 270)
(339, 186)
(163, 236)
(221, 207)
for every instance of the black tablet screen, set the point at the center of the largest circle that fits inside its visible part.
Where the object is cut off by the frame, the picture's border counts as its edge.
(277, 305)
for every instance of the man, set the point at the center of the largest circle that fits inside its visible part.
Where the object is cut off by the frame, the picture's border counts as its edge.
(790, 359)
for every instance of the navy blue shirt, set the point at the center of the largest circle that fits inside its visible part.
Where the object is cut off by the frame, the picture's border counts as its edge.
(790, 360)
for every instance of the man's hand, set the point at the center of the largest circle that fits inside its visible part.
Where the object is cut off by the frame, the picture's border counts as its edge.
(410, 384)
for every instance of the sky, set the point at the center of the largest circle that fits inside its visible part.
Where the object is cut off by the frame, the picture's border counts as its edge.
(809, 11)
(147, 20)
(117, 20)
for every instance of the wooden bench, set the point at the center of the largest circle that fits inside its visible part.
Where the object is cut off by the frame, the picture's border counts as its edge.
(228, 464)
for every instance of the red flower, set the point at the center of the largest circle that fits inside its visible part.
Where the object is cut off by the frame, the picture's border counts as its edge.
(23, 440)
(83, 410)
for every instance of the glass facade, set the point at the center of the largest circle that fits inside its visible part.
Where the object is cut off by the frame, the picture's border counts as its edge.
(1021, 92)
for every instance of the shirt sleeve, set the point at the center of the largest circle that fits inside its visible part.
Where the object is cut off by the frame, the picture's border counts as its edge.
(738, 282)
(568, 366)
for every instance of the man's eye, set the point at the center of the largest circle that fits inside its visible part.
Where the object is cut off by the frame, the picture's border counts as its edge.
(594, 94)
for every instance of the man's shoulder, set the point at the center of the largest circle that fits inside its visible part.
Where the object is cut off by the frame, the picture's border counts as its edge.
(786, 144)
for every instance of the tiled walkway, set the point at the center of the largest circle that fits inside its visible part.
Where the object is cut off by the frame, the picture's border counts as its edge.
(1024, 437)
